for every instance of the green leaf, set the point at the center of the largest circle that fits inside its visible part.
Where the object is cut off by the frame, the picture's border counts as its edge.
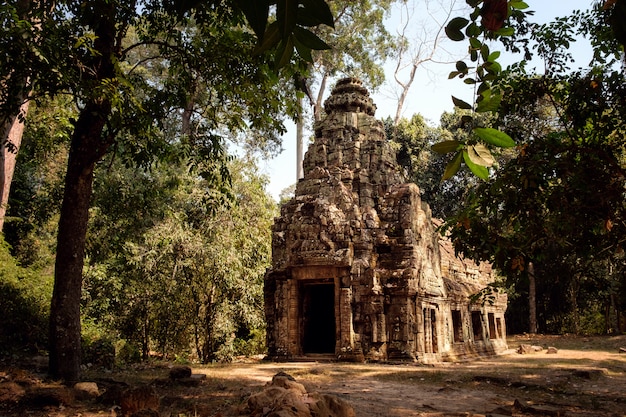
(303, 51)
(493, 56)
(309, 39)
(284, 53)
(480, 171)
(256, 12)
(490, 104)
(286, 16)
(270, 39)
(461, 104)
(494, 137)
(469, 81)
(480, 155)
(453, 166)
(446, 146)
(473, 30)
(475, 43)
(519, 5)
(453, 29)
(318, 11)
(453, 74)
(461, 66)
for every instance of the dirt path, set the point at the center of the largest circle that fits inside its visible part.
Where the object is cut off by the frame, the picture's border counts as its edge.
(587, 377)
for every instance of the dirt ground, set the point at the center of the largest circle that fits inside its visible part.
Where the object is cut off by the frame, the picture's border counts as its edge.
(586, 377)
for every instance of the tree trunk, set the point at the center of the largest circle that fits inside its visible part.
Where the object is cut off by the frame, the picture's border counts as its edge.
(13, 128)
(532, 299)
(65, 346)
(299, 142)
(12, 133)
(87, 147)
(317, 108)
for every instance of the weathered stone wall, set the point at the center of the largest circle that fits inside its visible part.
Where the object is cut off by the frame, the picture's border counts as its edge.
(355, 228)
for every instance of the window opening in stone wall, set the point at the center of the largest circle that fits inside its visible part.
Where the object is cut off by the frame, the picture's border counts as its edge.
(499, 327)
(317, 311)
(477, 325)
(492, 326)
(457, 325)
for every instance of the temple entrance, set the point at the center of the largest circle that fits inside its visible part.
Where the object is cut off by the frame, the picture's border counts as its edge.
(317, 312)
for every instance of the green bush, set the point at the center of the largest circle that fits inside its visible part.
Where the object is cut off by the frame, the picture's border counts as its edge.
(25, 306)
(127, 352)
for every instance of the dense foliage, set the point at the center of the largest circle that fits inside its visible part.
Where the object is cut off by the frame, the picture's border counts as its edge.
(556, 212)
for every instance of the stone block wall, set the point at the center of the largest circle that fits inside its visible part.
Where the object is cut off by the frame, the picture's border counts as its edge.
(357, 270)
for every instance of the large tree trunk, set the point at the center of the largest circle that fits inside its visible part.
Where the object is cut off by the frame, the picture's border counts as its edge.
(65, 337)
(532, 299)
(88, 146)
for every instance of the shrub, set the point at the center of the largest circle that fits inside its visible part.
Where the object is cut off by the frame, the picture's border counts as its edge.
(25, 306)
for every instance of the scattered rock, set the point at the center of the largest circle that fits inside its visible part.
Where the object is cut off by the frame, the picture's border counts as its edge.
(86, 390)
(525, 349)
(552, 350)
(139, 398)
(180, 372)
(284, 397)
(622, 350)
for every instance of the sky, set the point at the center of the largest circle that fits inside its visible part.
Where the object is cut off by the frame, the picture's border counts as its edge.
(429, 95)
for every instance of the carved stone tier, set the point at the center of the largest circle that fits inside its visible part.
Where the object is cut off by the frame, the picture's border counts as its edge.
(356, 260)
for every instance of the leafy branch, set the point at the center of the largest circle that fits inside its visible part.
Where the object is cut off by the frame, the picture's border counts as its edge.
(488, 21)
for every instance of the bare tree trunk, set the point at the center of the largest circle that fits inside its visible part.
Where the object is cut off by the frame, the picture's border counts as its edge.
(317, 109)
(532, 299)
(299, 141)
(424, 50)
(12, 133)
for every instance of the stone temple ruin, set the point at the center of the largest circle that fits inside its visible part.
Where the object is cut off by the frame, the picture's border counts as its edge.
(358, 270)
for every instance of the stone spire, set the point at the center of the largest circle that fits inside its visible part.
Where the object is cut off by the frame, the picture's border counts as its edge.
(358, 240)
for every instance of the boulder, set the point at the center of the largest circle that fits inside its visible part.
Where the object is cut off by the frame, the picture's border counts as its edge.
(284, 397)
(552, 350)
(86, 390)
(180, 372)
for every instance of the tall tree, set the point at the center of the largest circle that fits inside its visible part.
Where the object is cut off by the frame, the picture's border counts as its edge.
(360, 45)
(182, 273)
(22, 24)
(560, 200)
(89, 58)
(419, 43)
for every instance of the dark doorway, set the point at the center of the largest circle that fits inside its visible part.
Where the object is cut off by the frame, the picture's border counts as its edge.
(318, 317)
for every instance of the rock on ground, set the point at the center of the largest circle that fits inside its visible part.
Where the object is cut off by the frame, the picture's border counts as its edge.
(284, 397)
